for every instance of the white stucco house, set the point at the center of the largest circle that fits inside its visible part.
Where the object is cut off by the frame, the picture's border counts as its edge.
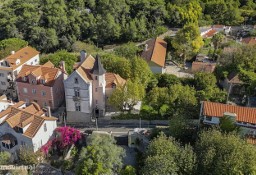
(88, 88)
(154, 54)
(11, 66)
(4, 103)
(22, 126)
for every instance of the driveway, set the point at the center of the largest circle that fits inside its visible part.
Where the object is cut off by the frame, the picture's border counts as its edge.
(175, 70)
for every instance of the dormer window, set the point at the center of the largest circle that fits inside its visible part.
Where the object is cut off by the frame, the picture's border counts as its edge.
(113, 85)
(17, 61)
(76, 80)
(42, 81)
(24, 78)
(33, 81)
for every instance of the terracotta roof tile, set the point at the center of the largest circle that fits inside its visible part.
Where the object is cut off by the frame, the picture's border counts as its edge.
(156, 51)
(21, 117)
(113, 78)
(244, 114)
(249, 40)
(210, 33)
(233, 77)
(23, 54)
(46, 73)
(204, 67)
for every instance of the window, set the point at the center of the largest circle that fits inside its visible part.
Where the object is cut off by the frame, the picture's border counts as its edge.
(1, 75)
(96, 89)
(96, 101)
(208, 118)
(33, 81)
(43, 93)
(33, 91)
(25, 90)
(43, 81)
(45, 104)
(77, 92)
(3, 83)
(45, 128)
(35, 60)
(113, 85)
(24, 78)
(96, 77)
(78, 107)
(76, 80)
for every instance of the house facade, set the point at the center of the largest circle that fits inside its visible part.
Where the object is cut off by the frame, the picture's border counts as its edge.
(4, 103)
(87, 90)
(245, 117)
(42, 84)
(155, 54)
(11, 66)
(233, 85)
(25, 126)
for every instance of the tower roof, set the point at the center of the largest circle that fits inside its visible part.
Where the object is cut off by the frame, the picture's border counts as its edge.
(98, 67)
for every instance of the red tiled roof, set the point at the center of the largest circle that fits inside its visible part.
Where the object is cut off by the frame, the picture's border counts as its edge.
(19, 117)
(203, 67)
(113, 78)
(210, 33)
(244, 114)
(249, 40)
(45, 72)
(156, 51)
(23, 55)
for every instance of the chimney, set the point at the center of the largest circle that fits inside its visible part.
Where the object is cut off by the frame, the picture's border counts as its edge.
(146, 47)
(12, 52)
(83, 55)
(62, 65)
(48, 108)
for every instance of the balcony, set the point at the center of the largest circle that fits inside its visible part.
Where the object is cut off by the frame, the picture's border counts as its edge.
(75, 98)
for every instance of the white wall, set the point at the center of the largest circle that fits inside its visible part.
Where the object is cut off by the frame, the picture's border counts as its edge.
(42, 136)
(214, 120)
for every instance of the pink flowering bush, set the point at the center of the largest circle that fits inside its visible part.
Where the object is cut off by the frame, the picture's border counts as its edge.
(65, 137)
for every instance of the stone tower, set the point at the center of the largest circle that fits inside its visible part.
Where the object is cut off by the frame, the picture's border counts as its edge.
(98, 88)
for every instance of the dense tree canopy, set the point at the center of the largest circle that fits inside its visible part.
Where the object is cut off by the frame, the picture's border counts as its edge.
(101, 156)
(224, 154)
(49, 25)
(11, 44)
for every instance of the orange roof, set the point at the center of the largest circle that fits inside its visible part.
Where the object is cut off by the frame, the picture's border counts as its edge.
(24, 55)
(204, 67)
(244, 114)
(45, 72)
(113, 78)
(156, 51)
(249, 40)
(85, 67)
(210, 33)
(218, 26)
(21, 117)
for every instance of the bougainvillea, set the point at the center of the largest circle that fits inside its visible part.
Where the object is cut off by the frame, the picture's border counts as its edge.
(65, 137)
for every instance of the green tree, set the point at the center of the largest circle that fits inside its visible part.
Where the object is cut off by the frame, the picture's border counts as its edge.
(88, 47)
(204, 80)
(127, 96)
(101, 156)
(117, 65)
(187, 41)
(28, 157)
(59, 56)
(217, 39)
(219, 154)
(228, 125)
(129, 50)
(128, 170)
(166, 80)
(5, 158)
(158, 97)
(166, 156)
(11, 44)
(140, 71)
